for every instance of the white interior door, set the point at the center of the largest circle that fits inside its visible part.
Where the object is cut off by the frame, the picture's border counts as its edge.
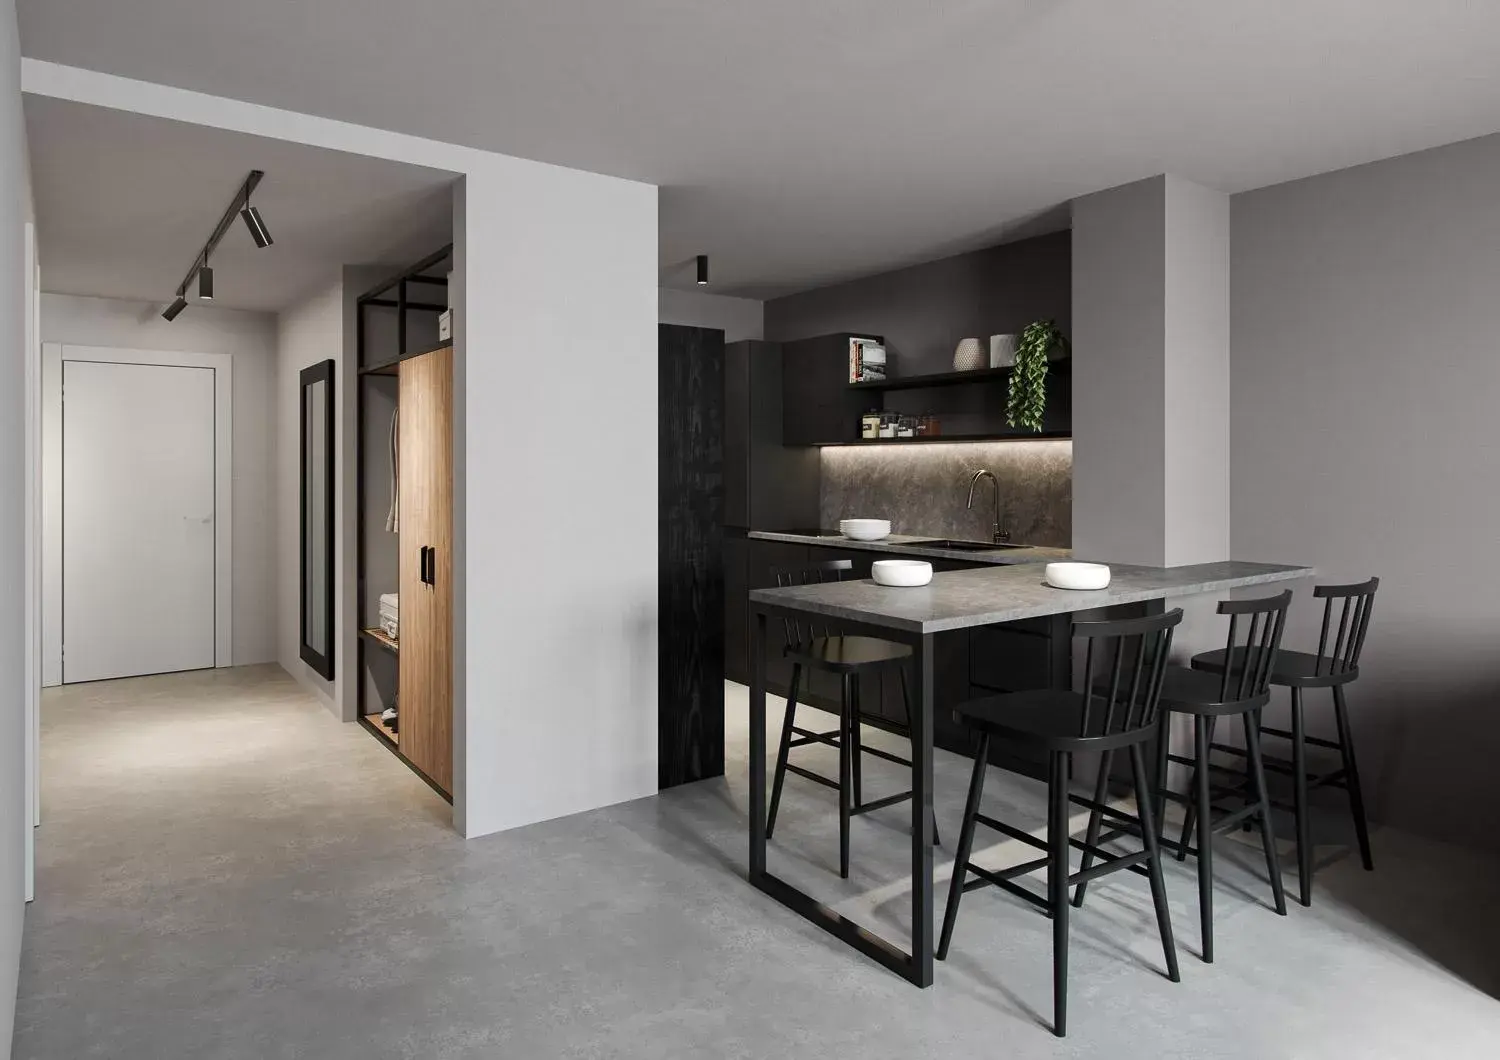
(138, 503)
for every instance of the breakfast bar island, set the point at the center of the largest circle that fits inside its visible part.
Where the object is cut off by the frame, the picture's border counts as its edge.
(913, 616)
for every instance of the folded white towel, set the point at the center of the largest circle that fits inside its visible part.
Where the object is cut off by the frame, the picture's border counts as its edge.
(390, 627)
(390, 600)
(391, 611)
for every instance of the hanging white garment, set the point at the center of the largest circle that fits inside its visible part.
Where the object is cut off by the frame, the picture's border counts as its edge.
(393, 517)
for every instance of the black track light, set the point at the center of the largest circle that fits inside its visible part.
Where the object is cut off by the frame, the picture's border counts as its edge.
(177, 306)
(257, 226)
(206, 284)
(703, 270)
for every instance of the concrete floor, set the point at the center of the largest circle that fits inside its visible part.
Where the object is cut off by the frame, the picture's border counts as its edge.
(225, 871)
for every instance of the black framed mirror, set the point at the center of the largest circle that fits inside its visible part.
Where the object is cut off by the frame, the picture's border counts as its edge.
(316, 604)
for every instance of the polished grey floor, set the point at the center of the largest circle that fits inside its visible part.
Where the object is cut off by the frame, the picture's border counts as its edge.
(227, 872)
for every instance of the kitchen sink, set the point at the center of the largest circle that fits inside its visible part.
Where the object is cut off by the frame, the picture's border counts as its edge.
(949, 545)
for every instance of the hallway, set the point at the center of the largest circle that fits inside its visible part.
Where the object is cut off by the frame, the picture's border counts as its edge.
(226, 873)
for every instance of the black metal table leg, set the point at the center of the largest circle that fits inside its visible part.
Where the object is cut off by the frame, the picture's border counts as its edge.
(916, 966)
(921, 811)
(757, 745)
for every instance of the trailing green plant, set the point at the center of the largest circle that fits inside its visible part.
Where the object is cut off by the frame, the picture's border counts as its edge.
(1028, 379)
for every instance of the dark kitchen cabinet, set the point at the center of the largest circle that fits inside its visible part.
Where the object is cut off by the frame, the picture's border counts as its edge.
(768, 485)
(818, 406)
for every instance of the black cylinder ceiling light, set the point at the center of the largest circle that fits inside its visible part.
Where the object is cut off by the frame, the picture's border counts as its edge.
(702, 270)
(200, 268)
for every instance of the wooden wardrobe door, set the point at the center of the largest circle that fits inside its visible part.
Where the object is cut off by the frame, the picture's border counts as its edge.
(426, 488)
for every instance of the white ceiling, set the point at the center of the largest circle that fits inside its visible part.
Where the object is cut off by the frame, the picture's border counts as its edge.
(125, 202)
(803, 141)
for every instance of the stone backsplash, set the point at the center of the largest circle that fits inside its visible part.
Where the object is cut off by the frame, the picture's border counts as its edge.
(921, 488)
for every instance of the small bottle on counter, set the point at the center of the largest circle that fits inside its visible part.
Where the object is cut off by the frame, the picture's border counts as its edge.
(869, 424)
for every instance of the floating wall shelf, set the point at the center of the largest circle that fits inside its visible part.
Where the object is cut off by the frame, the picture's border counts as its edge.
(977, 375)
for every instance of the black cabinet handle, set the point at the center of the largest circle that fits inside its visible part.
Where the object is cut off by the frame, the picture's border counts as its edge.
(431, 565)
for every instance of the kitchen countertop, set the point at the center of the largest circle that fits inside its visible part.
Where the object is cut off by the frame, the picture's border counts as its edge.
(906, 545)
(984, 596)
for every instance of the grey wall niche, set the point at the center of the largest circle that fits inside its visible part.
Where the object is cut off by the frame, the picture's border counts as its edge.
(921, 488)
(923, 311)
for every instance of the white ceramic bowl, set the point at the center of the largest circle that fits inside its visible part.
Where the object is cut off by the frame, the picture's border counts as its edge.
(901, 572)
(1077, 575)
(865, 529)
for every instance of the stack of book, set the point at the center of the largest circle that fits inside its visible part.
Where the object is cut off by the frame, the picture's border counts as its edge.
(867, 361)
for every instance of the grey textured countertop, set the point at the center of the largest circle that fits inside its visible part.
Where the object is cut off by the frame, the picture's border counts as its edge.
(905, 545)
(986, 595)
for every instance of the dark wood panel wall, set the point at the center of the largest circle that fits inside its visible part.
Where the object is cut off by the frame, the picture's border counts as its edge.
(690, 544)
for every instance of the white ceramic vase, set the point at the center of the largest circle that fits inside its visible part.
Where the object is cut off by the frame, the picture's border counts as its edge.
(969, 355)
(1003, 350)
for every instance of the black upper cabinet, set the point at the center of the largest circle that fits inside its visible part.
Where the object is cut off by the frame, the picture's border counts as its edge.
(819, 407)
(767, 485)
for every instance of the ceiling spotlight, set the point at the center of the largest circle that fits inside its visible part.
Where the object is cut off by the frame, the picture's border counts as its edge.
(703, 270)
(177, 306)
(257, 226)
(206, 284)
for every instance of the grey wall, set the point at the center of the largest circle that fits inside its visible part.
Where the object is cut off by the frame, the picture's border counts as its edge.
(14, 195)
(923, 311)
(1366, 305)
(250, 340)
(1119, 373)
(921, 489)
(738, 318)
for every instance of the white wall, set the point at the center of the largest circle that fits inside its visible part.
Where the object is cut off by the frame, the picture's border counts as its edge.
(738, 318)
(306, 335)
(14, 283)
(1366, 382)
(250, 339)
(557, 623)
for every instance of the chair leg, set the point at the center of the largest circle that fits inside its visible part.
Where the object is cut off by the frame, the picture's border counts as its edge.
(1299, 800)
(1190, 814)
(1203, 736)
(786, 749)
(1163, 748)
(1057, 887)
(846, 778)
(965, 844)
(1153, 864)
(1351, 778)
(1257, 771)
(937, 840)
(856, 751)
(1101, 788)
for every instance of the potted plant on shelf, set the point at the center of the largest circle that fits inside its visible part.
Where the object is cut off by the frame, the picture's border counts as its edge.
(1041, 342)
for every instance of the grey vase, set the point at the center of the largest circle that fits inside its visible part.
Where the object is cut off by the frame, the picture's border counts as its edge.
(969, 355)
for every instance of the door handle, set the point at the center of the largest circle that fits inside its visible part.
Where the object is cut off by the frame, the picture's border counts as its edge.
(422, 566)
(431, 565)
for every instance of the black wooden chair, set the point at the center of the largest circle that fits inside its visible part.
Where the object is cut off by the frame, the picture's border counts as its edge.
(1335, 665)
(1241, 690)
(823, 648)
(1117, 713)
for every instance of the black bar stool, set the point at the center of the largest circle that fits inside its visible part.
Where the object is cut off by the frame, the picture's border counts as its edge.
(1118, 713)
(1241, 690)
(1333, 667)
(849, 657)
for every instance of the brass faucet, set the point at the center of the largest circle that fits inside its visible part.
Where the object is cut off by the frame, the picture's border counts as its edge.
(1001, 535)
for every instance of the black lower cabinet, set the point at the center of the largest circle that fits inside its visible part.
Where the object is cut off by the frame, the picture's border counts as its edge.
(737, 607)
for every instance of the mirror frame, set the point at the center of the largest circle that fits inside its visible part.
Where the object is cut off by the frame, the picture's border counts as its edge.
(321, 662)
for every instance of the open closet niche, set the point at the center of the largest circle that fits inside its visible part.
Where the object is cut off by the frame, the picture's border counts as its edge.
(405, 487)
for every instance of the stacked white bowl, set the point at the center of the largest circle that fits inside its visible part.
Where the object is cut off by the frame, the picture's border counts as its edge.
(865, 529)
